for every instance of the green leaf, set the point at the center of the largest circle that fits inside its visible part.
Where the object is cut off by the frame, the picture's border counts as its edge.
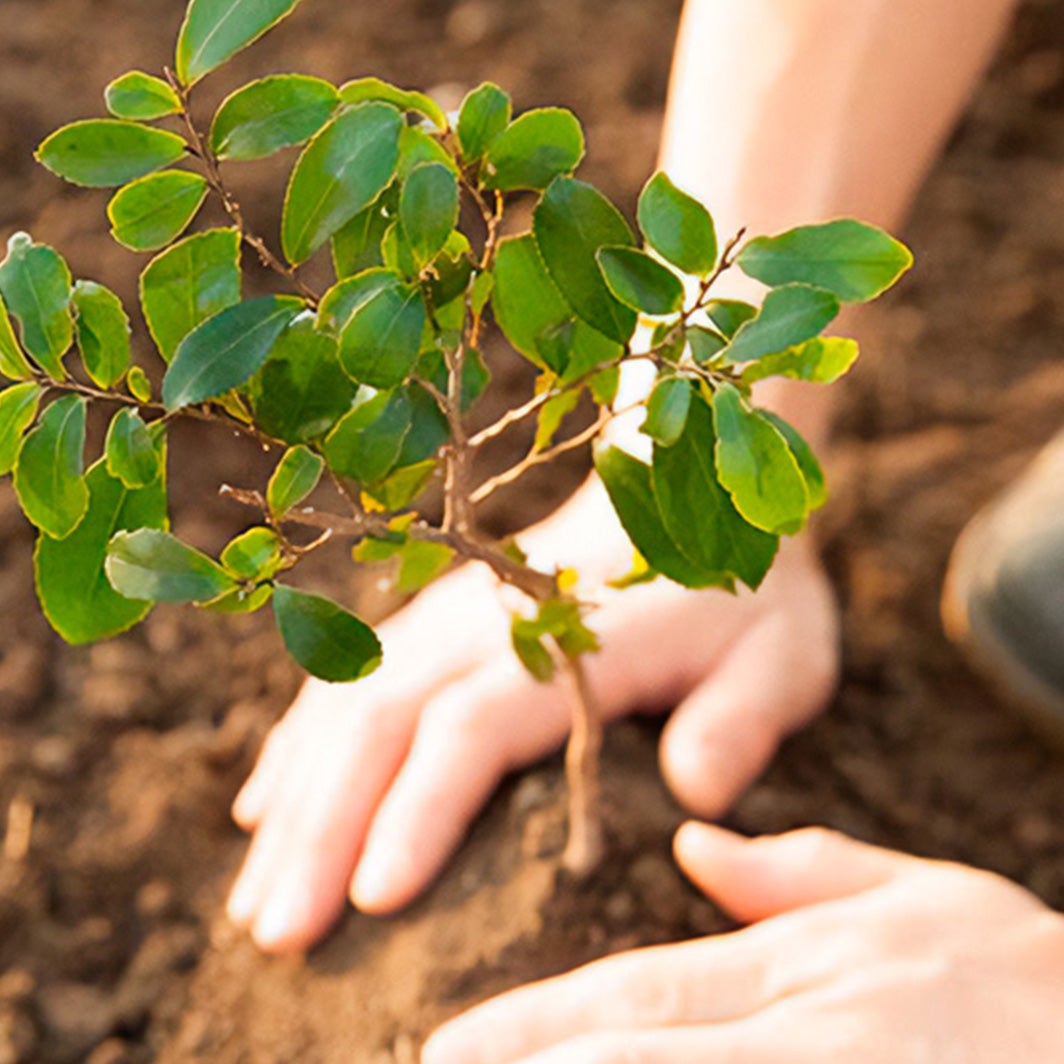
(130, 450)
(756, 467)
(417, 147)
(428, 209)
(270, 114)
(138, 384)
(226, 350)
(327, 640)
(790, 315)
(534, 149)
(698, 513)
(729, 314)
(149, 564)
(140, 97)
(341, 172)
(357, 246)
(677, 226)
(561, 620)
(296, 476)
(253, 555)
(420, 563)
(452, 268)
(641, 282)
(103, 333)
(367, 89)
(189, 283)
(628, 483)
(13, 364)
(484, 114)
(667, 410)
(108, 152)
(49, 477)
(215, 30)
(76, 597)
(531, 651)
(18, 409)
(855, 261)
(807, 462)
(402, 487)
(572, 221)
(35, 284)
(240, 600)
(149, 213)
(822, 360)
(554, 412)
(366, 443)
(705, 343)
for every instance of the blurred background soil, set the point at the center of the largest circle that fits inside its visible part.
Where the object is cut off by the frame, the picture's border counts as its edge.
(122, 759)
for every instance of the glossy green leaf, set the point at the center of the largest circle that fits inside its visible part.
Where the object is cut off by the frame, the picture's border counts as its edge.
(253, 555)
(815, 483)
(140, 97)
(428, 209)
(240, 600)
(420, 563)
(705, 343)
(698, 512)
(35, 284)
(366, 443)
(130, 450)
(677, 226)
(108, 152)
(296, 476)
(855, 261)
(103, 333)
(327, 640)
(403, 486)
(756, 466)
(822, 360)
(138, 384)
(13, 364)
(484, 114)
(363, 90)
(380, 342)
(551, 415)
(790, 315)
(189, 283)
(429, 429)
(151, 565)
(270, 114)
(49, 478)
(215, 30)
(149, 213)
(533, 150)
(641, 282)
(449, 278)
(357, 245)
(572, 222)
(729, 314)
(226, 350)
(18, 409)
(341, 172)
(74, 591)
(416, 146)
(667, 410)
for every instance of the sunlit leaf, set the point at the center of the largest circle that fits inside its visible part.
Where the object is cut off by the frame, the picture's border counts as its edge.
(149, 213)
(103, 333)
(140, 97)
(677, 226)
(152, 565)
(108, 152)
(296, 476)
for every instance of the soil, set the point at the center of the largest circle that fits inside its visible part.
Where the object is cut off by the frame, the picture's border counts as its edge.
(124, 757)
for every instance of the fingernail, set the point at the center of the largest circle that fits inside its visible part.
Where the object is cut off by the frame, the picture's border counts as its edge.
(241, 902)
(373, 885)
(274, 924)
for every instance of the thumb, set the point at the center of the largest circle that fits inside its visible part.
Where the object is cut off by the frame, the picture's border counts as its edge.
(754, 879)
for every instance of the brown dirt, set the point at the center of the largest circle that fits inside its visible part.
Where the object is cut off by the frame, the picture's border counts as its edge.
(112, 946)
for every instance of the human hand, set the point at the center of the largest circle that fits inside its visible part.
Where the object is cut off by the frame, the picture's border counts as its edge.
(366, 789)
(861, 955)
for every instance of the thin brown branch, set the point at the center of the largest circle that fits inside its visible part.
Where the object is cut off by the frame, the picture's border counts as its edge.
(584, 848)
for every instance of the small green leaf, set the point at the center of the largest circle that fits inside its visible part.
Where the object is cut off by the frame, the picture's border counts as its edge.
(367, 89)
(855, 261)
(13, 364)
(240, 600)
(151, 565)
(108, 152)
(49, 477)
(130, 450)
(226, 350)
(215, 30)
(667, 410)
(641, 282)
(140, 97)
(534, 149)
(357, 245)
(77, 598)
(705, 344)
(341, 172)
(35, 284)
(327, 640)
(416, 147)
(103, 333)
(138, 384)
(554, 412)
(531, 651)
(149, 213)
(253, 555)
(296, 476)
(270, 114)
(822, 360)
(480, 293)
(366, 443)
(756, 467)
(484, 114)
(572, 222)
(189, 283)
(18, 409)
(677, 226)
(790, 315)
(428, 209)
(559, 619)
(729, 314)
(402, 487)
(807, 461)
(420, 563)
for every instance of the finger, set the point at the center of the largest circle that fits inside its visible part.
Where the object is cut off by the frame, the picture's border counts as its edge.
(771, 680)
(754, 879)
(251, 799)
